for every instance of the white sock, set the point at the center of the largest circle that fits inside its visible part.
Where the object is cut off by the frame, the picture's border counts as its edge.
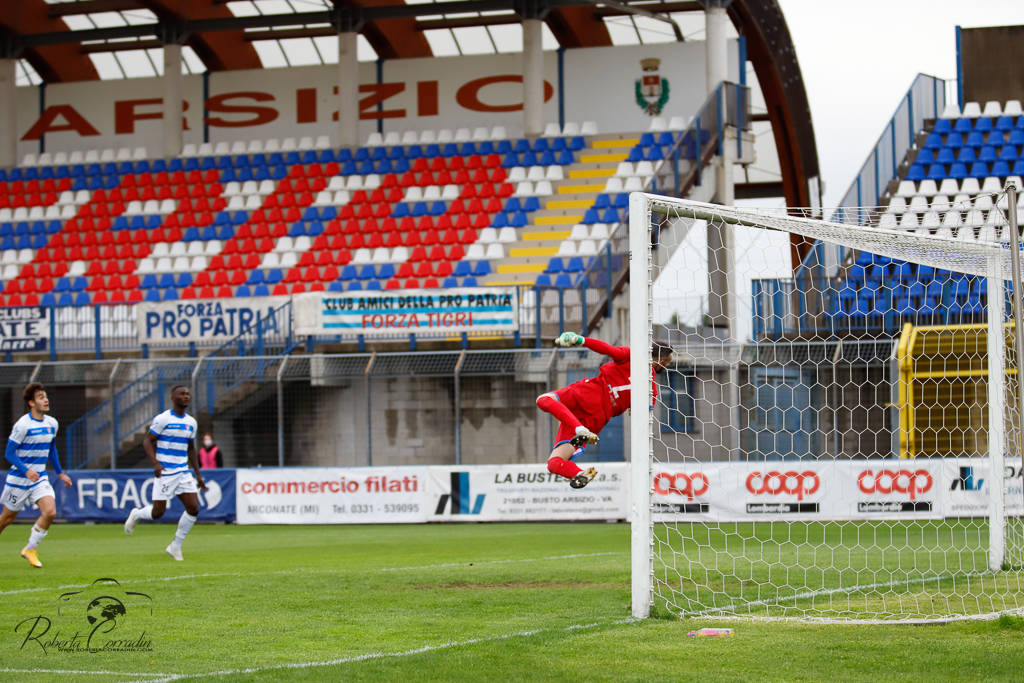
(145, 513)
(34, 537)
(184, 526)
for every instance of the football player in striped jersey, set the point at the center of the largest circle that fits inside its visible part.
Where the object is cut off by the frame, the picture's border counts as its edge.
(171, 447)
(32, 444)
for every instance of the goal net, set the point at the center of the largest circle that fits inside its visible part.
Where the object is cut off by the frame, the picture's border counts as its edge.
(837, 436)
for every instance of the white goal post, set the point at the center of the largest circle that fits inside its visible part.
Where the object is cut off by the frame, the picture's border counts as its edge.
(834, 440)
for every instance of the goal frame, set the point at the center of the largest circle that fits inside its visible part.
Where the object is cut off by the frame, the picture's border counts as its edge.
(641, 421)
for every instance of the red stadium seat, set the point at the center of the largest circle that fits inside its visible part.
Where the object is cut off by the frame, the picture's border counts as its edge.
(411, 283)
(230, 247)
(280, 289)
(430, 283)
(424, 269)
(451, 236)
(455, 163)
(456, 253)
(114, 282)
(117, 296)
(437, 253)
(14, 300)
(252, 261)
(206, 293)
(338, 242)
(443, 269)
(425, 223)
(202, 279)
(188, 293)
(317, 287)
(430, 237)
(266, 244)
(293, 275)
(238, 277)
(131, 281)
(394, 239)
(468, 236)
(100, 297)
(324, 258)
(298, 288)
(220, 278)
(444, 222)
(481, 221)
(418, 254)
(370, 225)
(405, 270)
(310, 274)
(216, 263)
(356, 241)
(329, 273)
(225, 292)
(393, 283)
(443, 178)
(375, 241)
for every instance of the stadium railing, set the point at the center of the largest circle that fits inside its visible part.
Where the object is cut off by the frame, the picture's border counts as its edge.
(780, 306)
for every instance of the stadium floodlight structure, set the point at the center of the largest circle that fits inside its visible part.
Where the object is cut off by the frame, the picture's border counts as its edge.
(853, 454)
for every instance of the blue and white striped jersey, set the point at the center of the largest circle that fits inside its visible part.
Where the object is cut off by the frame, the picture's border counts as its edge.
(173, 434)
(32, 439)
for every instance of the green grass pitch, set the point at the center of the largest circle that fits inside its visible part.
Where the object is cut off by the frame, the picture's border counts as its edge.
(512, 602)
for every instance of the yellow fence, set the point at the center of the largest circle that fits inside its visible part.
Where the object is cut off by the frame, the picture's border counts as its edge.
(943, 389)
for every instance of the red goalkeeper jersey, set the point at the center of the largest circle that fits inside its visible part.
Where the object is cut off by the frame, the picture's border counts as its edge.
(609, 390)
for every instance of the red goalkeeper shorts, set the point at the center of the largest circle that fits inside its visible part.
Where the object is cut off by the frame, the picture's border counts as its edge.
(587, 401)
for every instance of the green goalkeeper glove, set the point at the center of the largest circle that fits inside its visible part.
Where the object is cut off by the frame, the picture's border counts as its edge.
(568, 339)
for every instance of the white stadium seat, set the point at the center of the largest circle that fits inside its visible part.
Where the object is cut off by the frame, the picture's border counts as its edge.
(552, 130)
(992, 109)
(1012, 108)
(972, 110)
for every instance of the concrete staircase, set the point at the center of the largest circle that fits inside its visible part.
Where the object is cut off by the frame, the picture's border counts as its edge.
(528, 257)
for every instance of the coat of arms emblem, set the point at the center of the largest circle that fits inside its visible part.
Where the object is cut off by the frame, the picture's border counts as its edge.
(651, 88)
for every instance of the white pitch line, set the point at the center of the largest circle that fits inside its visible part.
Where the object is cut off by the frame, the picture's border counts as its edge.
(81, 672)
(182, 577)
(386, 655)
(829, 591)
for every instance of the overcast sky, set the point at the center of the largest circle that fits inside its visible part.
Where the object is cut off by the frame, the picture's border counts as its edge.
(858, 60)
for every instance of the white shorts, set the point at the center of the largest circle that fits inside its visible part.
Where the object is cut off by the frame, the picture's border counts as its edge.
(168, 486)
(14, 499)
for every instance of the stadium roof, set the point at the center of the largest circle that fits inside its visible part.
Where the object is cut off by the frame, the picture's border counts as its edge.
(76, 40)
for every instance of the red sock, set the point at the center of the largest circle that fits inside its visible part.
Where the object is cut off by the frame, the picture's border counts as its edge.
(559, 411)
(566, 468)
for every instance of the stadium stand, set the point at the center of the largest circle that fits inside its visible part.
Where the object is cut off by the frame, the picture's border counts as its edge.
(960, 164)
(282, 217)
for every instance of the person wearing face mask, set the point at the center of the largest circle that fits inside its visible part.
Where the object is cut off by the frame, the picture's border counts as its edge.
(209, 455)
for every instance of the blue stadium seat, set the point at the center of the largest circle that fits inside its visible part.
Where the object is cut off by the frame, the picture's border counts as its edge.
(933, 141)
(336, 286)
(610, 216)
(962, 126)
(974, 139)
(348, 272)
(499, 220)
(255, 277)
(979, 169)
(166, 280)
(954, 140)
(529, 159)
(510, 160)
(602, 202)
(367, 272)
(468, 148)
(1004, 123)
(574, 265)
(636, 154)
(995, 138)
(1000, 169)
(386, 271)
(484, 148)
(518, 220)
(504, 147)
(547, 158)
(558, 145)
(987, 154)
(79, 284)
(152, 295)
(1008, 153)
(591, 216)
(450, 282)
(577, 143)
(531, 204)
(463, 268)
(563, 281)
(261, 290)
(924, 157)
(63, 285)
(184, 279)
(916, 173)
(469, 282)
(65, 299)
(170, 294)
(983, 124)
(542, 281)
(354, 286)
(966, 156)
(521, 145)
(956, 171)
(48, 300)
(554, 266)
(273, 276)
